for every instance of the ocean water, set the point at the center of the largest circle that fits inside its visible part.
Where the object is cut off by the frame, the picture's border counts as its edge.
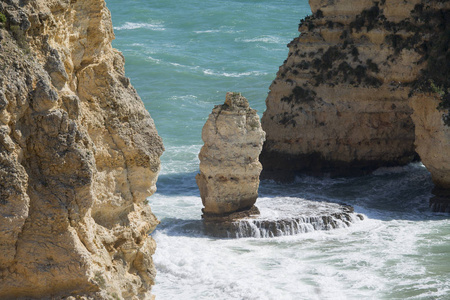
(182, 57)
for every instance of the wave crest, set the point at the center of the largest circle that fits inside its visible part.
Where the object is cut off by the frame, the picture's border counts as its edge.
(131, 26)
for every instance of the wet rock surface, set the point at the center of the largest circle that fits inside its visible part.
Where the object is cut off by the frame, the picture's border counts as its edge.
(276, 218)
(440, 202)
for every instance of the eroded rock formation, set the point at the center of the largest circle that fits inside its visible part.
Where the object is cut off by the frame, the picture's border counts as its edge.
(79, 154)
(358, 90)
(229, 165)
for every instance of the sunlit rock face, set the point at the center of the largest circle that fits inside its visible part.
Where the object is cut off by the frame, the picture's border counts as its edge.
(341, 102)
(79, 154)
(229, 165)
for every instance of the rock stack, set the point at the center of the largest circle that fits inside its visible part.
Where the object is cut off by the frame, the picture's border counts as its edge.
(229, 165)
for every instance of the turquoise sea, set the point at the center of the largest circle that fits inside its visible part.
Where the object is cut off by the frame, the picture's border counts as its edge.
(182, 57)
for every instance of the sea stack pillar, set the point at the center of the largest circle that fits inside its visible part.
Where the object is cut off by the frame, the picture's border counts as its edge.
(229, 165)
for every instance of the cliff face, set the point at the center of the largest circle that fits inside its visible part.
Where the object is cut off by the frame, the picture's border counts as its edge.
(351, 98)
(79, 154)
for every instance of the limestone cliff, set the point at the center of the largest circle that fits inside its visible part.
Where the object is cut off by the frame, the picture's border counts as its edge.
(350, 97)
(79, 154)
(229, 165)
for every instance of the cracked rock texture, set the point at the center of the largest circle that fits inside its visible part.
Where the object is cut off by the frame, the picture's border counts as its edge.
(341, 102)
(79, 154)
(229, 165)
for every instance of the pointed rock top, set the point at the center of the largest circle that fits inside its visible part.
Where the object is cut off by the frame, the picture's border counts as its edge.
(236, 101)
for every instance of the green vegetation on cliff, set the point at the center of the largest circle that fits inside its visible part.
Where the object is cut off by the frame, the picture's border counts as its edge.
(435, 77)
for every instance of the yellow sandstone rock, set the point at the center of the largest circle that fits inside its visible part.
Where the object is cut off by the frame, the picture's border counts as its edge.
(229, 165)
(341, 102)
(79, 154)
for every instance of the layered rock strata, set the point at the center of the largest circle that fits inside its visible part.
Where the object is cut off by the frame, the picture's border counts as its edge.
(341, 102)
(79, 154)
(229, 167)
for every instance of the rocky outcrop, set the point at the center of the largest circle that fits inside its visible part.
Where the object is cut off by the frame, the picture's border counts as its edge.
(341, 102)
(79, 154)
(229, 165)
(281, 218)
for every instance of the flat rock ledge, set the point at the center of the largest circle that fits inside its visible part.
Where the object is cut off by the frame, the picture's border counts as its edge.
(281, 220)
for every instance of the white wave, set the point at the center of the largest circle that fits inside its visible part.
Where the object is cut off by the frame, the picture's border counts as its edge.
(371, 259)
(185, 97)
(192, 68)
(207, 31)
(181, 159)
(397, 170)
(184, 66)
(176, 65)
(223, 29)
(233, 74)
(156, 60)
(268, 39)
(131, 26)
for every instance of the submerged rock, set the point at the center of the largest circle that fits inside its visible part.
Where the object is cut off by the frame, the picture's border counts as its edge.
(229, 165)
(440, 202)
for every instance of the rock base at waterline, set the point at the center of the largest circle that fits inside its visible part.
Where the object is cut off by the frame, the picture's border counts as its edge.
(441, 201)
(282, 221)
(231, 217)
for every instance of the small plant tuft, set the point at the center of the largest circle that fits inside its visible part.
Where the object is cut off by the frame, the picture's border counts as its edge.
(372, 66)
(2, 20)
(319, 14)
(20, 37)
(100, 279)
(300, 95)
(368, 18)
